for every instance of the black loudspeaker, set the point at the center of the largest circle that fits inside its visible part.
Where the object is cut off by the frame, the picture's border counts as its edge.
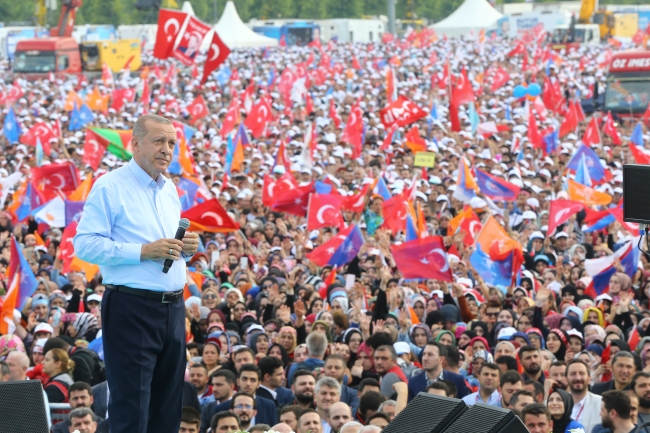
(635, 193)
(22, 407)
(427, 413)
(482, 418)
(145, 5)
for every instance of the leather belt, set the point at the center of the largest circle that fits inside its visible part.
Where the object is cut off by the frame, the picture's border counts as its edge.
(163, 297)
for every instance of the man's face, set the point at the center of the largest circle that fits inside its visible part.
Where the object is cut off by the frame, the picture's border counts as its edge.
(334, 369)
(199, 377)
(154, 151)
(221, 389)
(488, 379)
(531, 361)
(16, 371)
(188, 428)
(339, 414)
(289, 418)
(430, 358)
(277, 378)
(304, 386)
(227, 425)
(491, 314)
(578, 378)
(383, 361)
(310, 423)
(642, 390)
(538, 423)
(606, 420)
(80, 398)
(634, 409)
(508, 389)
(326, 397)
(248, 382)
(558, 374)
(623, 370)
(244, 408)
(522, 401)
(85, 425)
(243, 358)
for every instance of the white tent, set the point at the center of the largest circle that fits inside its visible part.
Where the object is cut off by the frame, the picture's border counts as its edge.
(234, 33)
(471, 15)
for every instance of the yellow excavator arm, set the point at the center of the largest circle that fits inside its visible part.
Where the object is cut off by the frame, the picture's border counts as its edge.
(587, 9)
(40, 13)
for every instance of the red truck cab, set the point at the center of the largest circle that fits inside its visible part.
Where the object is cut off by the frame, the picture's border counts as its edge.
(628, 83)
(36, 58)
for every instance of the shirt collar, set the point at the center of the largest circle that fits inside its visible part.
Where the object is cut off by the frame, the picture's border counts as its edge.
(143, 177)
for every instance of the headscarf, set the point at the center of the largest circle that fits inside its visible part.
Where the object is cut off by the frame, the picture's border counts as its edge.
(411, 300)
(483, 339)
(220, 314)
(434, 317)
(601, 319)
(233, 334)
(85, 324)
(553, 319)
(560, 425)
(624, 280)
(482, 325)
(522, 335)
(58, 294)
(453, 337)
(294, 336)
(11, 342)
(251, 341)
(451, 312)
(489, 359)
(471, 335)
(564, 342)
(426, 330)
(539, 334)
(328, 331)
(285, 357)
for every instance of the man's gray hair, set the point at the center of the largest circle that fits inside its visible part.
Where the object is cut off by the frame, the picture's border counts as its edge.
(316, 344)
(329, 382)
(370, 429)
(351, 424)
(81, 412)
(386, 403)
(140, 128)
(622, 354)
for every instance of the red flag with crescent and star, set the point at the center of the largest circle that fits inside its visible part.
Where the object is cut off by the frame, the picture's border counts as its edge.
(324, 210)
(52, 177)
(94, 149)
(190, 42)
(170, 23)
(198, 109)
(423, 258)
(561, 211)
(217, 54)
(210, 216)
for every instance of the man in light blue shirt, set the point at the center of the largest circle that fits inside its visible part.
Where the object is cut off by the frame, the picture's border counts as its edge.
(127, 228)
(488, 392)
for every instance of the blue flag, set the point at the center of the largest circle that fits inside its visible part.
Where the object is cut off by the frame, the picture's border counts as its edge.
(637, 135)
(80, 117)
(551, 140)
(11, 127)
(348, 249)
(582, 174)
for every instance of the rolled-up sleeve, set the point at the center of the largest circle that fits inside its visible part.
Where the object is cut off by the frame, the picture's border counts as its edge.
(94, 242)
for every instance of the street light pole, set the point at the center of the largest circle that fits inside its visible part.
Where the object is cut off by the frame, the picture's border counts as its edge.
(391, 17)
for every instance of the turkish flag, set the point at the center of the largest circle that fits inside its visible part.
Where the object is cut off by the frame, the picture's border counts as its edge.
(423, 259)
(287, 78)
(62, 176)
(293, 201)
(641, 156)
(210, 216)
(592, 133)
(190, 42)
(334, 115)
(217, 54)
(172, 105)
(357, 202)
(42, 131)
(353, 131)
(534, 136)
(273, 188)
(401, 112)
(13, 93)
(324, 210)
(462, 91)
(520, 48)
(610, 129)
(259, 116)
(120, 96)
(453, 117)
(232, 116)
(198, 109)
(94, 148)
(170, 23)
(501, 77)
(561, 211)
(67, 246)
(395, 210)
(471, 226)
(577, 106)
(570, 121)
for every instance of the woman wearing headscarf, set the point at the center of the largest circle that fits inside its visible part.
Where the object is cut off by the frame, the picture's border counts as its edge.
(560, 404)
(84, 327)
(465, 339)
(479, 358)
(418, 336)
(364, 366)
(324, 327)
(288, 339)
(557, 342)
(446, 337)
(536, 338)
(258, 343)
(353, 338)
(594, 315)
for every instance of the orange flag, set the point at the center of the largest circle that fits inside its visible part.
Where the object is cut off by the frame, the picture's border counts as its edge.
(88, 268)
(414, 142)
(96, 101)
(8, 306)
(491, 233)
(82, 191)
(71, 99)
(39, 239)
(587, 196)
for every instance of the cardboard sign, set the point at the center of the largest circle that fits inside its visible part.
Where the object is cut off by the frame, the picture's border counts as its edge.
(425, 159)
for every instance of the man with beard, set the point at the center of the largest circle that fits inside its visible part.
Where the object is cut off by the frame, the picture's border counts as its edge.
(488, 393)
(615, 412)
(557, 375)
(623, 368)
(243, 405)
(586, 405)
(532, 363)
(640, 384)
(339, 415)
(433, 357)
(303, 388)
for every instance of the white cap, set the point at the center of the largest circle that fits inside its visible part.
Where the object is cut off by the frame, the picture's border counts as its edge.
(43, 327)
(401, 348)
(575, 333)
(604, 297)
(529, 215)
(506, 333)
(559, 235)
(536, 235)
(94, 297)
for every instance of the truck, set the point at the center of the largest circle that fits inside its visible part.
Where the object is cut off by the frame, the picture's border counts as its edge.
(571, 36)
(628, 83)
(292, 32)
(352, 30)
(61, 54)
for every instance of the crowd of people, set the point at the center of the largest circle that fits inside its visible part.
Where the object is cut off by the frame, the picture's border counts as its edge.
(276, 341)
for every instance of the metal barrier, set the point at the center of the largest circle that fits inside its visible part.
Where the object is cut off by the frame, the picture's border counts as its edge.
(59, 412)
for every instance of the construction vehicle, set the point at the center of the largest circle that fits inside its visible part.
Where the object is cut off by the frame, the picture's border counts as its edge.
(603, 18)
(61, 55)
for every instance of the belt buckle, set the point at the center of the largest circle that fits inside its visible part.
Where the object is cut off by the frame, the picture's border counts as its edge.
(170, 299)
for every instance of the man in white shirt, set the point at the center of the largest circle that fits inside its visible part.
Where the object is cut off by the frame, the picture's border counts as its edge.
(586, 405)
(488, 379)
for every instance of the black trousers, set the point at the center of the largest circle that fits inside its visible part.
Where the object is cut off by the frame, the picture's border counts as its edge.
(144, 353)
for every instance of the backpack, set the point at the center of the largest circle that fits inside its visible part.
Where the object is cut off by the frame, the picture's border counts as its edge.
(97, 365)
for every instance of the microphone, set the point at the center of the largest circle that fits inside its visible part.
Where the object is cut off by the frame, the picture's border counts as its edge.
(183, 224)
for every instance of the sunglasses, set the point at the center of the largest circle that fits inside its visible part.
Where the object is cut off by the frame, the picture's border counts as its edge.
(210, 296)
(492, 314)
